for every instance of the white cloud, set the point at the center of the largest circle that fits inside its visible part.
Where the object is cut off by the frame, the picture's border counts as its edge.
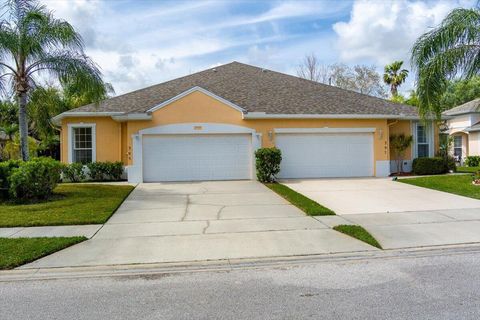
(383, 31)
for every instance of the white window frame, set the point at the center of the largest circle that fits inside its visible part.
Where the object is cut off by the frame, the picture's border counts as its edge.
(429, 136)
(461, 145)
(71, 127)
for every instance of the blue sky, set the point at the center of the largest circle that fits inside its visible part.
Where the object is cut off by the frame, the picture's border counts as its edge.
(140, 43)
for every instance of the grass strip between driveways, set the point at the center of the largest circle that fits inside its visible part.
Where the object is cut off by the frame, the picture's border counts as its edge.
(72, 204)
(456, 184)
(305, 204)
(359, 233)
(17, 251)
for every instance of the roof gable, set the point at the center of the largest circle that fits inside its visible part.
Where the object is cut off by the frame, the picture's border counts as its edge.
(191, 90)
(254, 89)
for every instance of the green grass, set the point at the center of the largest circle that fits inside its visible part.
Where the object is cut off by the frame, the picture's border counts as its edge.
(468, 169)
(456, 184)
(72, 204)
(359, 233)
(305, 204)
(17, 251)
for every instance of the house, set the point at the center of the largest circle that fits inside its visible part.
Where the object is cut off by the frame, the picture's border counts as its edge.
(207, 125)
(464, 126)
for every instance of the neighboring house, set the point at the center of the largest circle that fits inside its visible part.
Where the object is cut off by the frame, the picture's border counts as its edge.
(464, 126)
(206, 126)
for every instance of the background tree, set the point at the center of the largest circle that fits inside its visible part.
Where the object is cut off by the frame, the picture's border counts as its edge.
(450, 50)
(360, 78)
(399, 143)
(32, 43)
(459, 92)
(394, 76)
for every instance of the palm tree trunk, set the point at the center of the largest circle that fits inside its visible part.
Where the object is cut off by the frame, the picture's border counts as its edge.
(23, 124)
(394, 90)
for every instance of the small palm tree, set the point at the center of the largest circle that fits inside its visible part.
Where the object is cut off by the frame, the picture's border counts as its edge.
(32, 43)
(394, 76)
(452, 49)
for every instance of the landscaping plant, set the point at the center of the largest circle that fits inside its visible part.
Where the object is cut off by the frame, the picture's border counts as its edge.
(423, 166)
(399, 144)
(105, 171)
(268, 163)
(34, 179)
(74, 172)
(472, 161)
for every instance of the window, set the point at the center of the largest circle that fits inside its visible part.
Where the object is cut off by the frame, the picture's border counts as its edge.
(457, 147)
(82, 144)
(423, 149)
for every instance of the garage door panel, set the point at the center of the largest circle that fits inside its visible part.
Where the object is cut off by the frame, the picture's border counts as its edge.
(325, 155)
(196, 157)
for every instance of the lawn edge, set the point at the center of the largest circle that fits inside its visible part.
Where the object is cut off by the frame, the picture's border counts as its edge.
(75, 240)
(345, 229)
(324, 210)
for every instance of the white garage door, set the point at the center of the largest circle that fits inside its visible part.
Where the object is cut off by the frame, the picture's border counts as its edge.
(318, 155)
(196, 157)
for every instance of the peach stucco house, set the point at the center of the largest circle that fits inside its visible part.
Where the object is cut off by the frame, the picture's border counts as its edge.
(464, 127)
(207, 125)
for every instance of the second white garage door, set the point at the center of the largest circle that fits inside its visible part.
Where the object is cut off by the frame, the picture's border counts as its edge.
(197, 157)
(319, 155)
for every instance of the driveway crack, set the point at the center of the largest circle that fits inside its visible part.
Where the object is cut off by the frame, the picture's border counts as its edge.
(220, 212)
(206, 227)
(186, 208)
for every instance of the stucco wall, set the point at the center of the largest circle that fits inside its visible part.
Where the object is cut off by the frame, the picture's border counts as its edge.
(474, 144)
(108, 138)
(114, 140)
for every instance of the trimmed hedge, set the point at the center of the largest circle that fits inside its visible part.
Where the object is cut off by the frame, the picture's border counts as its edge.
(73, 172)
(472, 161)
(105, 171)
(423, 166)
(34, 179)
(267, 162)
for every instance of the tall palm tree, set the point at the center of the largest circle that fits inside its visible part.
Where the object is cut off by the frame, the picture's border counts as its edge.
(450, 50)
(34, 43)
(394, 76)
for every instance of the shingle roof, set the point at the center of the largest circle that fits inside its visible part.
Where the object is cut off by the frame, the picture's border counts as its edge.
(469, 107)
(256, 90)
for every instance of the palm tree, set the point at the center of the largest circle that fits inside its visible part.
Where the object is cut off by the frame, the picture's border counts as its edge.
(394, 76)
(450, 50)
(34, 43)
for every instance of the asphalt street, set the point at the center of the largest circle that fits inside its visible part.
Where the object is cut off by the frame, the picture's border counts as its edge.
(442, 285)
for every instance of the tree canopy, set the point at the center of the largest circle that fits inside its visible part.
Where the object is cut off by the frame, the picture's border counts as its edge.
(451, 50)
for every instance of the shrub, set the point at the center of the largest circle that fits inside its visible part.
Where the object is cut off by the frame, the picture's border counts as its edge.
(6, 169)
(101, 171)
(422, 166)
(35, 179)
(74, 172)
(472, 161)
(267, 163)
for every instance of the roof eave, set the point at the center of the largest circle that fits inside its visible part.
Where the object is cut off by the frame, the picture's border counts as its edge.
(262, 115)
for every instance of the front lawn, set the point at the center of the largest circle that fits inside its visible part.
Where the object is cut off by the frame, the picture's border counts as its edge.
(468, 169)
(71, 204)
(305, 204)
(17, 251)
(457, 184)
(359, 233)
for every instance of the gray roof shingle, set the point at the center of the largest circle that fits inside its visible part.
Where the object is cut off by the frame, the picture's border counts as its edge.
(469, 107)
(256, 90)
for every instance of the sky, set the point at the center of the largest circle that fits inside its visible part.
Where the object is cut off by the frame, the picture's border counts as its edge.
(138, 43)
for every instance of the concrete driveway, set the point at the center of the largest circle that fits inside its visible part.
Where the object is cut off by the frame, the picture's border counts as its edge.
(177, 222)
(398, 215)
(377, 195)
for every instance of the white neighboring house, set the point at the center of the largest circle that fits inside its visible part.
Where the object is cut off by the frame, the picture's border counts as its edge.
(464, 126)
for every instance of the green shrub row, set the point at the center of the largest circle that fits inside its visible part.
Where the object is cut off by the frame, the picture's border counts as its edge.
(423, 166)
(267, 162)
(94, 171)
(472, 161)
(34, 179)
